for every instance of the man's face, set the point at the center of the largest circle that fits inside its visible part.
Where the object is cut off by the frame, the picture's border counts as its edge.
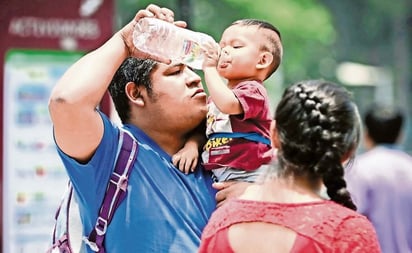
(178, 99)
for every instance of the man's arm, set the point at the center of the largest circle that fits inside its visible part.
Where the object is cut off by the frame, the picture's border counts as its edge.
(78, 127)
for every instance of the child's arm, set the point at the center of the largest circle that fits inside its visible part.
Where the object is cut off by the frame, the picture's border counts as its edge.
(187, 158)
(221, 94)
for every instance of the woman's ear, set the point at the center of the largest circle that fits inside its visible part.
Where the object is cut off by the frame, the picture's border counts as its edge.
(266, 58)
(348, 154)
(274, 135)
(133, 92)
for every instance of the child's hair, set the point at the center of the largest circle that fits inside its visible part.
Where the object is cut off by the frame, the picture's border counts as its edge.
(275, 41)
(318, 125)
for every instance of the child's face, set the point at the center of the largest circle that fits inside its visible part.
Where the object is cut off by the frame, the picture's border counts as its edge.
(241, 51)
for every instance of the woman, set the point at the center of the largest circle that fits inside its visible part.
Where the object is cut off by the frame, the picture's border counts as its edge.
(316, 130)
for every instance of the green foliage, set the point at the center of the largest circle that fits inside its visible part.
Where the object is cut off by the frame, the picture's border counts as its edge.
(305, 25)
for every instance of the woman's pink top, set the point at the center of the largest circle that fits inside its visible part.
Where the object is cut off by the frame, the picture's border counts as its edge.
(322, 226)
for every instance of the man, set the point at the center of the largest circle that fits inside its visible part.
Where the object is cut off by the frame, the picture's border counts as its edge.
(381, 180)
(160, 104)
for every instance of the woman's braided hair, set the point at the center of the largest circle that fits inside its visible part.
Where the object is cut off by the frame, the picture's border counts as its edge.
(317, 124)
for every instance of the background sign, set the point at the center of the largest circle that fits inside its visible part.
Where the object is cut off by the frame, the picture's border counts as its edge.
(40, 40)
(34, 175)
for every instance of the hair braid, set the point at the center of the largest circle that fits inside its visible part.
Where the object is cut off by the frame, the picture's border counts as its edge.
(317, 125)
(332, 172)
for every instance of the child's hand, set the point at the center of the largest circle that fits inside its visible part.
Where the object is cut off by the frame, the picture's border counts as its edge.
(211, 52)
(186, 159)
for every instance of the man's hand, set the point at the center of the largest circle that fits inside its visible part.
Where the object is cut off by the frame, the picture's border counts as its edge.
(229, 189)
(153, 11)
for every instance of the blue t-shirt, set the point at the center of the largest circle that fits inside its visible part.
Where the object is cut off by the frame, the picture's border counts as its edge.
(164, 210)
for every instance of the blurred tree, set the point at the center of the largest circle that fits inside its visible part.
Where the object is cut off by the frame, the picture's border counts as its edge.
(378, 33)
(306, 27)
(185, 11)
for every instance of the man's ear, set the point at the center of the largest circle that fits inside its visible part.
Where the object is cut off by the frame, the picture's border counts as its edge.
(133, 92)
(274, 135)
(266, 58)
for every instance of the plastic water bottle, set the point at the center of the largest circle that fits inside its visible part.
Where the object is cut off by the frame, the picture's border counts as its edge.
(161, 38)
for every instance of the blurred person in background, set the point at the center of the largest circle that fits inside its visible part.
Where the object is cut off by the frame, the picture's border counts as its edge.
(381, 179)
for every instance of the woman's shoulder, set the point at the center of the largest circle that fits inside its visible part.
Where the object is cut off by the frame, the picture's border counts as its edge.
(356, 232)
(308, 219)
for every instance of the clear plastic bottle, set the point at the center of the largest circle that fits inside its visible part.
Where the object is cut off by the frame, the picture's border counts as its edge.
(161, 38)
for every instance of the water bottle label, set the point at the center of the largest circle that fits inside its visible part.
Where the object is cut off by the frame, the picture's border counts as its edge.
(187, 46)
(192, 54)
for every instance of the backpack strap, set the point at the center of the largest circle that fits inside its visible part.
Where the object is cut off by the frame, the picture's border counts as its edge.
(60, 237)
(116, 191)
(253, 136)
